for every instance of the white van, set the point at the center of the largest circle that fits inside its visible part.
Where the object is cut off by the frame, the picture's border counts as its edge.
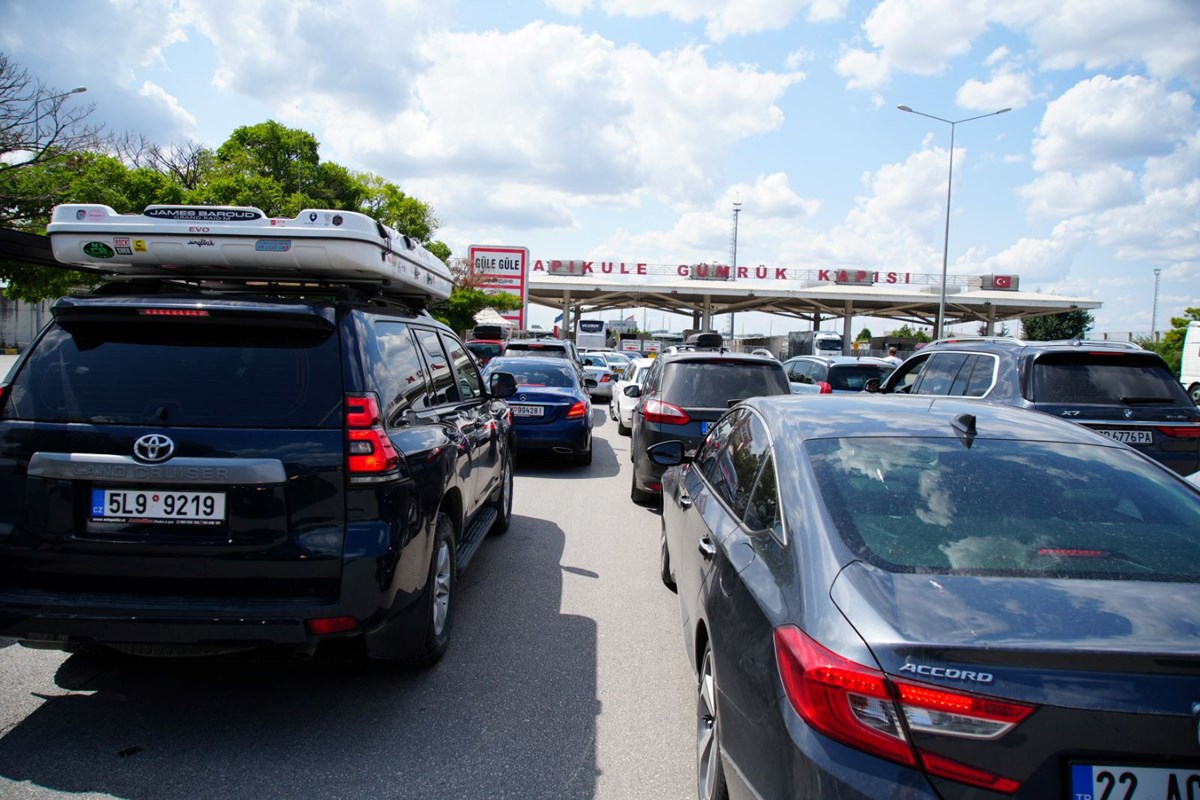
(1189, 368)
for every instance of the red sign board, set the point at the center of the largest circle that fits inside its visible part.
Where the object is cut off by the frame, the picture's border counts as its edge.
(502, 269)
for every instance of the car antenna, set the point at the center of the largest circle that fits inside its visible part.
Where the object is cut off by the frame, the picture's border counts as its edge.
(964, 426)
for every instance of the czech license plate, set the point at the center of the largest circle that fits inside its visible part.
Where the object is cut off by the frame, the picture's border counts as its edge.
(1128, 436)
(1091, 782)
(157, 505)
(527, 411)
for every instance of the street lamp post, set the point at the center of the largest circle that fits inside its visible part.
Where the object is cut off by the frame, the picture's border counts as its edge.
(941, 315)
(37, 108)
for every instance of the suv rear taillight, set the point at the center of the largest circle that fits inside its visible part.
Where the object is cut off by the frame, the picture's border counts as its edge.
(862, 707)
(664, 413)
(370, 454)
(1179, 431)
(825, 387)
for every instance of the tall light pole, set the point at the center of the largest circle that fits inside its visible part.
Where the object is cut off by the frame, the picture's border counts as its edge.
(37, 107)
(941, 316)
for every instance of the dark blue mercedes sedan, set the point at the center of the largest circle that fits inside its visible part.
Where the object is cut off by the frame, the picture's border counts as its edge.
(892, 597)
(552, 409)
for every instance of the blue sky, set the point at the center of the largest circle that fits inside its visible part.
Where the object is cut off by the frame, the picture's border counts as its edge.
(626, 129)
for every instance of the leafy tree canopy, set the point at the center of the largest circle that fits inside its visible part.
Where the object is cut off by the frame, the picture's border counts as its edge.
(459, 311)
(1170, 347)
(1068, 325)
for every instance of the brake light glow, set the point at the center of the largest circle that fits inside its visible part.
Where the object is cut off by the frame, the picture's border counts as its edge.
(1179, 431)
(369, 451)
(172, 312)
(326, 625)
(862, 707)
(664, 413)
(577, 410)
(825, 387)
(606, 378)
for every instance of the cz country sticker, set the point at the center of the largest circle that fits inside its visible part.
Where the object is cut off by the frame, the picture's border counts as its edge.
(98, 250)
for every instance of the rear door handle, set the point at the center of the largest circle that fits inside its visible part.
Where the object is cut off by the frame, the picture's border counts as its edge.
(685, 500)
(707, 548)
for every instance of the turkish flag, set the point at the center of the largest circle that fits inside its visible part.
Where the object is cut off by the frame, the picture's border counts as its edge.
(1002, 281)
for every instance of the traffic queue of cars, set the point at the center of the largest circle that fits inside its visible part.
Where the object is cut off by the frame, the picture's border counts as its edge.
(951, 596)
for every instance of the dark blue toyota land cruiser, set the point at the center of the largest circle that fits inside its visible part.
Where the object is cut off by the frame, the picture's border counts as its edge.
(187, 467)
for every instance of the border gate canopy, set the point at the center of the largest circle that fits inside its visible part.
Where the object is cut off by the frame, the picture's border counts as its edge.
(808, 294)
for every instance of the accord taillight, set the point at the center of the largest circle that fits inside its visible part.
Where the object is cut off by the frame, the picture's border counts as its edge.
(861, 706)
(370, 454)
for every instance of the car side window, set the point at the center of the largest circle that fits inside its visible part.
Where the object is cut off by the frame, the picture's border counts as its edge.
(907, 374)
(403, 383)
(706, 454)
(441, 376)
(735, 467)
(983, 376)
(466, 374)
(939, 373)
(762, 514)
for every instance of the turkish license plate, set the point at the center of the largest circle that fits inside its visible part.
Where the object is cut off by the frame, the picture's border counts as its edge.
(528, 411)
(1128, 436)
(157, 505)
(1093, 782)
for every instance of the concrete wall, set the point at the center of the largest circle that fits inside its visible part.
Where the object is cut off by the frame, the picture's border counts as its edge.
(19, 322)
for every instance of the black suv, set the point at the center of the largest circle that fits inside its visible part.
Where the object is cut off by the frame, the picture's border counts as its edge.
(683, 395)
(1117, 389)
(188, 469)
(556, 348)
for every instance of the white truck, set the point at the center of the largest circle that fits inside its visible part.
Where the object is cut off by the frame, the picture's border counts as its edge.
(1189, 367)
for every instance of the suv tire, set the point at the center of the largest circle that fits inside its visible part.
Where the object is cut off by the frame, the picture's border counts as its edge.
(438, 603)
(504, 499)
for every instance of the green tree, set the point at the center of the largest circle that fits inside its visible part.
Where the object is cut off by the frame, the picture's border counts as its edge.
(1067, 325)
(1170, 347)
(460, 309)
(864, 335)
(906, 331)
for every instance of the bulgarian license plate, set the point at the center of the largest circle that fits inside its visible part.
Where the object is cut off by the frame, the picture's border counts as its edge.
(1091, 782)
(157, 505)
(1128, 436)
(704, 426)
(527, 411)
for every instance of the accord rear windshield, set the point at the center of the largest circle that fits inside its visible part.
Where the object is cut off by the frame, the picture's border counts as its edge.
(230, 375)
(1107, 378)
(714, 383)
(1000, 507)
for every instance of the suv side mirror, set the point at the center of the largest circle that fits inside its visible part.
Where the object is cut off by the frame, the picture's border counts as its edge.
(502, 385)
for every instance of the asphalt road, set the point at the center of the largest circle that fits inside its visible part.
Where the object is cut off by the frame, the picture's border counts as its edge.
(565, 678)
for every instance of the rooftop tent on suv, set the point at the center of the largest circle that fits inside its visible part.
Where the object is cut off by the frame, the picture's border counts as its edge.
(193, 462)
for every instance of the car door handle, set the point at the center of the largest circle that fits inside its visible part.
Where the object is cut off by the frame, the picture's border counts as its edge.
(707, 548)
(685, 500)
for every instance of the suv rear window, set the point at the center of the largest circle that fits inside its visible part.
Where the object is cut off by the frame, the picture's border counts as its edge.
(853, 377)
(1109, 378)
(231, 375)
(933, 505)
(485, 349)
(712, 384)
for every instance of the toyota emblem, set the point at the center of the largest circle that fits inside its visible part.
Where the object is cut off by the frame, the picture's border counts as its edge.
(153, 447)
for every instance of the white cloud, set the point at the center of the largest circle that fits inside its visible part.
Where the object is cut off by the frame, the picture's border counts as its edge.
(862, 70)
(1102, 34)
(1047, 260)
(1004, 90)
(573, 8)
(1058, 195)
(996, 56)
(154, 92)
(725, 18)
(1102, 120)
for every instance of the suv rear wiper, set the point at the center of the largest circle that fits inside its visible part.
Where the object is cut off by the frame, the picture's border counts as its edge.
(1130, 401)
